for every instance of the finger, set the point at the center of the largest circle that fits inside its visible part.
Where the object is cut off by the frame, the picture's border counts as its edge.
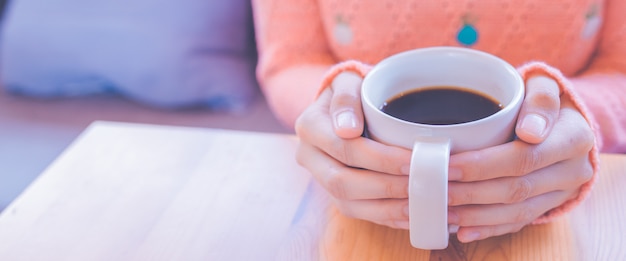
(519, 216)
(470, 234)
(315, 116)
(572, 138)
(314, 127)
(566, 175)
(540, 109)
(501, 214)
(388, 212)
(345, 106)
(347, 183)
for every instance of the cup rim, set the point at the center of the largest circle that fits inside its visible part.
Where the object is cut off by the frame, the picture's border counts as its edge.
(517, 97)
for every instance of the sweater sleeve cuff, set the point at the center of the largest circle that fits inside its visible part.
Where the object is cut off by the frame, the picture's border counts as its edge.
(351, 65)
(536, 68)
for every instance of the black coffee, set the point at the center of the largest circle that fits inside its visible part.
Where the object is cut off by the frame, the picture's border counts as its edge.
(441, 105)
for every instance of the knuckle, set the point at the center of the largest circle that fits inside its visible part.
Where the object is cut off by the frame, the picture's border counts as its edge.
(336, 184)
(390, 190)
(519, 190)
(544, 99)
(584, 142)
(524, 215)
(349, 151)
(347, 82)
(475, 168)
(395, 189)
(528, 159)
(468, 196)
(299, 125)
(465, 197)
(303, 123)
(453, 199)
(342, 151)
(586, 173)
(389, 160)
(585, 139)
(305, 157)
(345, 99)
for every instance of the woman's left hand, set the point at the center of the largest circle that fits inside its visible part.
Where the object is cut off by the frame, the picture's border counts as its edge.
(501, 189)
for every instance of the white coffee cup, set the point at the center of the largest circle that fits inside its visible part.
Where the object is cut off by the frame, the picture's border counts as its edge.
(433, 144)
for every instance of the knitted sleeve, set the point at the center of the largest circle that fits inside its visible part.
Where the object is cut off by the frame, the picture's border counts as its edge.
(567, 89)
(602, 86)
(599, 92)
(293, 54)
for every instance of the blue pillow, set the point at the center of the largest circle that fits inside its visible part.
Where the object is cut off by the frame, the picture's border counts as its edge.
(166, 53)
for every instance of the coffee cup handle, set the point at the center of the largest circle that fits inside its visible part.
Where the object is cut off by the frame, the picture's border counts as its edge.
(428, 193)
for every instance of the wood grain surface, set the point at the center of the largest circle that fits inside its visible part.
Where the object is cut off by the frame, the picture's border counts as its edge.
(143, 192)
(147, 192)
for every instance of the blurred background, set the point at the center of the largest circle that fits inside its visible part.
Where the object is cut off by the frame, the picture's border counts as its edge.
(45, 101)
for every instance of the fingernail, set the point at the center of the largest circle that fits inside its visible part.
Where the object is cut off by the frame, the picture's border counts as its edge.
(345, 119)
(452, 229)
(534, 124)
(455, 174)
(471, 237)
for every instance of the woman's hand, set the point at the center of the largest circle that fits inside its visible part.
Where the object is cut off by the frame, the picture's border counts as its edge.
(492, 192)
(501, 189)
(367, 180)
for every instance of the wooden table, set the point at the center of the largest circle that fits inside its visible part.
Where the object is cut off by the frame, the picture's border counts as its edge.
(141, 192)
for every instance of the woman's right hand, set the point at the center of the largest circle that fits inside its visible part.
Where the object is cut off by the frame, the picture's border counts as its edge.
(367, 179)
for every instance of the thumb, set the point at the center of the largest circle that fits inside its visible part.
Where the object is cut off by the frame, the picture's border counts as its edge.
(540, 109)
(345, 105)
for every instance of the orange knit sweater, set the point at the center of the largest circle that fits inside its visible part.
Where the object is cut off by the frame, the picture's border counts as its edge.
(303, 44)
